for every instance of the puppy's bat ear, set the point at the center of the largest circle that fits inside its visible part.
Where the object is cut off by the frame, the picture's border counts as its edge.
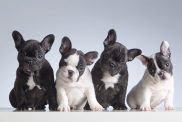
(90, 57)
(111, 38)
(143, 59)
(18, 39)
(132, 53)
(47, 42)
(65, 45)
(165, 49)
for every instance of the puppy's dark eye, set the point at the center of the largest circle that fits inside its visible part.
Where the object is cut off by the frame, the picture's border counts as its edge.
(81, 67)
(64, 63)
(106, 56)
(167, 64)
(122, 61)
(152, 70)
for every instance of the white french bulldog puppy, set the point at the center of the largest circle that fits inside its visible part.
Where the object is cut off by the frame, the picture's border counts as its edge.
(73, 79)
(156, 85)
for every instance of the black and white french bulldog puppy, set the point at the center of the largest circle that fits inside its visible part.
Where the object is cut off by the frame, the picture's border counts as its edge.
(110, 73)
(156, 85)
(74, 81)
(34, 86)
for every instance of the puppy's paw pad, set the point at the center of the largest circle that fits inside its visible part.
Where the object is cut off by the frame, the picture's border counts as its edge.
(64, 108)
(109, 108)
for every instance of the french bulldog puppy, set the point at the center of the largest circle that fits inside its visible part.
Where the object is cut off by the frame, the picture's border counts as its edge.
(34, 86)
(73, 80)
(110, 73)
(156, 86)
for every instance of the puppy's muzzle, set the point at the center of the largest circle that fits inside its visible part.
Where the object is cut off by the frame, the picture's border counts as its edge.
(70, 73)
(162, 76)
(30, 62)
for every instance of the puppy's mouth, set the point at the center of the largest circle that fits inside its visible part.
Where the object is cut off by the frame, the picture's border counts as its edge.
(27, 71)
(163, 77)
(30, 68)
(72, 79)
(69, 77)
(113, 73)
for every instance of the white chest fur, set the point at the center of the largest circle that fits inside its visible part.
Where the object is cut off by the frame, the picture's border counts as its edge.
(31, 84)
(109, 80)
(75, 91)
(160, 91)
(76, 96)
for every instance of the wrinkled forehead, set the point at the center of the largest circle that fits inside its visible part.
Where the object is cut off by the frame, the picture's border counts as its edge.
(158, 60)
(118, 52)
(161, 58)
(67, 54)
(32, 46)
(116, 46)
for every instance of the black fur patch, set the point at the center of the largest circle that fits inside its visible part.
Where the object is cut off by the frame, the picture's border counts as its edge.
(81, 64)
(151, 67)
(164, 63)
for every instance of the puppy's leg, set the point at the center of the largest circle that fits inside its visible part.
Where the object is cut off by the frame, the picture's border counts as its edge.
(51, 90)
(62, 100)
(52, 98)
(40, 96)
(81, 106)
(94, 105)
(12, 98)
(131, 100)
(119, 101)
(21, 99)
(168, 102)
(145, 98)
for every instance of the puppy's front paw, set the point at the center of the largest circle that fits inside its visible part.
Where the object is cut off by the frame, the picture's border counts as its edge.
(169, 107)
(145, 108)
(53, 107)
(64, 108)
(109, 108)
(97, 107)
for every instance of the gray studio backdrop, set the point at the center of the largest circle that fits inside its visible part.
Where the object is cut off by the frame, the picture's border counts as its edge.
(139, 24)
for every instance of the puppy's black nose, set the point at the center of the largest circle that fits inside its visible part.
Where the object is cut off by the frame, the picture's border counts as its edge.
(29, 61)
(70, 72)
(112, 65)
(161, 73)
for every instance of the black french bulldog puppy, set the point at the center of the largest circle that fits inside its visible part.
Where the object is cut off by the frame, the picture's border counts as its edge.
(110, 73)
(34, 86)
